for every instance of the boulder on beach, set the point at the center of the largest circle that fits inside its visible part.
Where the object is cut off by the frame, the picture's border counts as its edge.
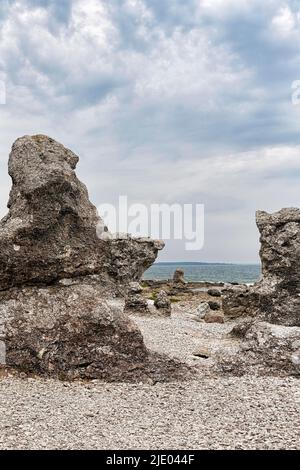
(214, 292)
(214, 305)
(240, 301)
(135, 302)
(163, 303)
(275, 298)
(70, 330)
(202, 310)
(214, 317)
(264, 349)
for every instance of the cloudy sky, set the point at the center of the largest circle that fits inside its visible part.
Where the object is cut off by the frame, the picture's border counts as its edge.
(166, 101)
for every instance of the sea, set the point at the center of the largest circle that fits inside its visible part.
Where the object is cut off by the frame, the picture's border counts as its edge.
(207, 272)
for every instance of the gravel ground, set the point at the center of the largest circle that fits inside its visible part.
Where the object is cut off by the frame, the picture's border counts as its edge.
(180, 336)
(204, 413)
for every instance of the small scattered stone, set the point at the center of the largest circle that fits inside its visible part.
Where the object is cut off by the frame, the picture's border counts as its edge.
(214, 305)
(203, 353)
(135, 301)
(214, 317)
(203, 309)
(214, 292)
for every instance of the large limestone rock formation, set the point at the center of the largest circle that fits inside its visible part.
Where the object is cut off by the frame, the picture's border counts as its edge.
(178, 277)
(276, 297)
(50, 231)
(279, 289)
(270, 343)
(61, 281)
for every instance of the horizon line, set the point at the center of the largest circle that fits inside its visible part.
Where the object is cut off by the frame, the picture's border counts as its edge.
(208, 262)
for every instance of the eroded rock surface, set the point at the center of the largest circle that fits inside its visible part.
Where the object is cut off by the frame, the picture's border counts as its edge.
(264, 349)
(71, 330)
(135, 302)
(239, 301)
(276, 297)
(279, 289)
(270, 344)
(50, 231)
(61, 282)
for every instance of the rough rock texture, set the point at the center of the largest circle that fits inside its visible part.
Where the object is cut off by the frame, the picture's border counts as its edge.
(50, 231)
(238, 301)
(135, 302)
(70, 330)
(279, 289)
(130, 258)
(163, 303)
(270, 344)
(52, 237)
(264, 349)
(276, 297)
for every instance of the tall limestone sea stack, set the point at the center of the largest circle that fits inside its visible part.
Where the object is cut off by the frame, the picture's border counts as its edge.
(61, 285)
(271, 340)
(276, 297)
(279, 289)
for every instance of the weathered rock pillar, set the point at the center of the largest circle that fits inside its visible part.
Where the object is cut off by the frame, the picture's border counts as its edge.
(61, 286)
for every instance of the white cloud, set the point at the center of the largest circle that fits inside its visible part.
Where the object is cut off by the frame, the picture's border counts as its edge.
(286, 22)
(187, 64)
(220, 8)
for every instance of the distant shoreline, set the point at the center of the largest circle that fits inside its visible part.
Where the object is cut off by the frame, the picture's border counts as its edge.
(205, 272)
(201, 263)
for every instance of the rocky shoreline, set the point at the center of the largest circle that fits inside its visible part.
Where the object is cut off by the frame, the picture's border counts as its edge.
(203, 410)
(94, 357)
